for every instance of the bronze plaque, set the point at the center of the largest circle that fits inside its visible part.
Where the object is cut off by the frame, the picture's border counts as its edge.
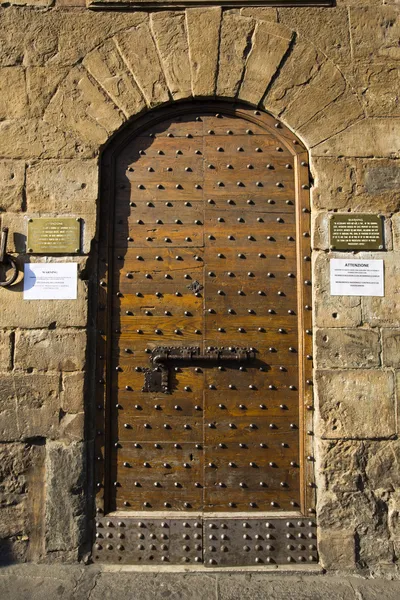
(54, 236)
(356, 232)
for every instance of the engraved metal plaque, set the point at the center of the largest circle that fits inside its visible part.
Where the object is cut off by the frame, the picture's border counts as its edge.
(54, 236)
(356, 232)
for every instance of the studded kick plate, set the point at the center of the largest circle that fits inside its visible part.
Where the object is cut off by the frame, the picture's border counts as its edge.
(214, 542)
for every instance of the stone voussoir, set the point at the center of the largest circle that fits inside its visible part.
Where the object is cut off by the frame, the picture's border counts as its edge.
(80, 106)
(236, 34)
(203, 27)
(268, 47)
(139, 52)
(107, 67)
(169, 32)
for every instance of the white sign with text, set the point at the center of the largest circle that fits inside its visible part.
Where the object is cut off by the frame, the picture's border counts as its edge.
(50, 281)
(356, 277)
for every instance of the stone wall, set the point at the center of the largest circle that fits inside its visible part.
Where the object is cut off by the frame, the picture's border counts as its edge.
(69, 79)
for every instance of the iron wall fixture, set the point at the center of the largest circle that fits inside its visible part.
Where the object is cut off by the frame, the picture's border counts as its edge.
(157, 379)
(6, 261)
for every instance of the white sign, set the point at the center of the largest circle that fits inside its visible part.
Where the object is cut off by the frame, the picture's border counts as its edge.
(356, 277)
(50, 281)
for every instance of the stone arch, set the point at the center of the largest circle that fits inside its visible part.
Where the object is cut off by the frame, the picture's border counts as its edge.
(201, 53)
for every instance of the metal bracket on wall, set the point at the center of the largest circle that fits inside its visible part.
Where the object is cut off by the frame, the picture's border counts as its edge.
(156, 379)
(6, 261)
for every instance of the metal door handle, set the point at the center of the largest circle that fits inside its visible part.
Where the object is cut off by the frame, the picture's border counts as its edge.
(156, 378)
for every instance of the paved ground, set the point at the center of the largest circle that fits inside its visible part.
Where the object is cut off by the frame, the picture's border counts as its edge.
(54, 582)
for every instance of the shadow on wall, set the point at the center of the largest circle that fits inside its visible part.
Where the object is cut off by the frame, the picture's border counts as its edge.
(8, 555)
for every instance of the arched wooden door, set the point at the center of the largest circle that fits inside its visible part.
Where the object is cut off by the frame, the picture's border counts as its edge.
(204, 359)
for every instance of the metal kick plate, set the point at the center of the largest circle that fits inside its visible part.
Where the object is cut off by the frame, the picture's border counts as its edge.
(356, 232)
(214, 542)
(54, 236)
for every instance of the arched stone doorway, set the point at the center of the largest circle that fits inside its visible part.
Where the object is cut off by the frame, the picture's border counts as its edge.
(204, 362)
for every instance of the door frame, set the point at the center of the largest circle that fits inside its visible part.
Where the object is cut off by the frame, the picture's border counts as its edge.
(105, 283)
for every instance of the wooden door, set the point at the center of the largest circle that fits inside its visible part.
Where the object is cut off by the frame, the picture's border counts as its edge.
(206, 339)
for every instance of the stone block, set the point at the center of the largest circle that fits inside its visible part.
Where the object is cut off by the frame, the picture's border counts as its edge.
(261, 13)
(13, 97)
(382, 461)
(376, 589)
(29, 406)
(72, 427)
(384, 311)
(320, 231)
(340, 466)
(332, 311)
(139, 52)
(11, 39)
(347, 348)
(334, 183)
(337, 549)
(335, 117)
(203, 27)
(41, 83)
(81, 107)
(314, 96)
(65, 498)
(34, 314)
(377, 85)
(169, 32)
(15, 460)
(356, 404)
(13, 521)
(34, 3)
(369, 185)
(378, 182)
(366, 138)
(182, 586)
(375, 32)
(54, 350)
(12, 178)
(356, 509)
(236, 34)
(378, 176)
(394, 516)
(326, 30)
(6, 341)
(62, 187)
(264, 586)
(30, 581)
(269, 43)
(105, 64)
(52, 38)
(391, 347)
(73, 400)
(396, 231)
(32, 138)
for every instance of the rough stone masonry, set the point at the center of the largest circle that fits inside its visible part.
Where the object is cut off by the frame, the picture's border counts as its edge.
(69, 79)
